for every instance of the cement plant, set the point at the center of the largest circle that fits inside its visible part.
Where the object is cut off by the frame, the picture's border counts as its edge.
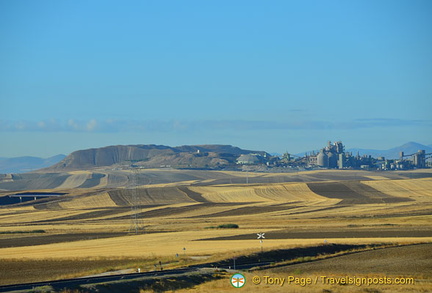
(334, 156)
(153, 218)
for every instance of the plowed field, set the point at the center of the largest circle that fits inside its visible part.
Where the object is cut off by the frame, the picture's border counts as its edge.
(169, 212)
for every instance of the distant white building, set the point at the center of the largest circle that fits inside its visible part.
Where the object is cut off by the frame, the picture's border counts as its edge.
(249, 159)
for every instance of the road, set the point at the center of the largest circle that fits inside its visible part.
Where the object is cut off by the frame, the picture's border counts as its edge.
(206, 269)
(240, 263)
(68, 283)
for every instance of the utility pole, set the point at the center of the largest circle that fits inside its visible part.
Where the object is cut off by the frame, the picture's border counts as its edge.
(136, 223)
(260, 238)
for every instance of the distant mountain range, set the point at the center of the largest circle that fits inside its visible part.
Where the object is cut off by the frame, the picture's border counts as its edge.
(27, 164)
(156, 156)
(393, 153)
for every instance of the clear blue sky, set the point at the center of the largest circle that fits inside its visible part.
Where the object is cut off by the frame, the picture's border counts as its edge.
(264, 75)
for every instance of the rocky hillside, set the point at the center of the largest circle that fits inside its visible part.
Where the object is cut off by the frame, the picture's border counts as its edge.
(153, 156)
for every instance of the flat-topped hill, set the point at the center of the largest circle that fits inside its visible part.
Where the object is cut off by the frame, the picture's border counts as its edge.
(152, 156)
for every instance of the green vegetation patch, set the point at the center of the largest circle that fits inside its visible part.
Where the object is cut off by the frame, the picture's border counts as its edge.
(224, 226)
(23, 232)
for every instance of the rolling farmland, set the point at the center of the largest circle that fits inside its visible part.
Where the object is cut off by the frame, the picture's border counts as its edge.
(180, 209)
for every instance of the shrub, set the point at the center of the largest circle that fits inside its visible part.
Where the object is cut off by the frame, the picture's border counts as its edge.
(228, 226)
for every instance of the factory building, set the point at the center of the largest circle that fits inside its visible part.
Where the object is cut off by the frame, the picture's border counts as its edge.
(416, 160)
(334, 156)
(419, 159)
(329, 157)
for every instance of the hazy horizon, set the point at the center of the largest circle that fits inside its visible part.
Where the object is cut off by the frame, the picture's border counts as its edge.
(277, 76)
(246, 148)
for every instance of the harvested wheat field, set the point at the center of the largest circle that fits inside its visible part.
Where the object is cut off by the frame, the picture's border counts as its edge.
(175, 212)
(390, 261)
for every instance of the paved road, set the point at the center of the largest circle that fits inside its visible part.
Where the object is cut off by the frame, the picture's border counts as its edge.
(60, 284)
(240, 263)
(68, 283)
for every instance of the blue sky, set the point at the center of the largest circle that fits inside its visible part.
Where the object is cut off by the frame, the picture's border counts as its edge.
(264, 75)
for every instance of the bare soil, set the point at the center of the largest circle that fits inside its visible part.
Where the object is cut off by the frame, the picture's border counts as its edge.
(250, 211)
(376, 233)
(353, 192)
(48, 239)
(413, 260)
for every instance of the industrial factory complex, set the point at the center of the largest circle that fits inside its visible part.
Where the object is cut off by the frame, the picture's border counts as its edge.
(334, 156)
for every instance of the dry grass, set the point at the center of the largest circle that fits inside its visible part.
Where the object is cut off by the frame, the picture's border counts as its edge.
(258, 193)
(31, 270)
(223, 285)
(99, 200)
(419, 189)
(411, 263)
(75, 180)
(254, 207)
(173, 243)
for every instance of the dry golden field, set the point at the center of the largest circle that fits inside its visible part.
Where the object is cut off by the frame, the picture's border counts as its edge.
(100, 222)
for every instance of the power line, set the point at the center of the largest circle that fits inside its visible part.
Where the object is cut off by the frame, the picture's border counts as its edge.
(136, 225)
